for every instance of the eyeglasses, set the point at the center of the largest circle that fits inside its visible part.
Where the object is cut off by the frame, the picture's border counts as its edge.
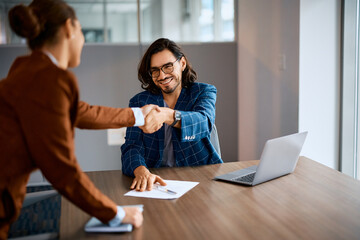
(166, 68)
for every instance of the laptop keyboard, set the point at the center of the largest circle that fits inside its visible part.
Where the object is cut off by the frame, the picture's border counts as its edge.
(247, 178)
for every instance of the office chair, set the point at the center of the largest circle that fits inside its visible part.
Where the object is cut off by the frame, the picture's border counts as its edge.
(40, 214)
(214, 139)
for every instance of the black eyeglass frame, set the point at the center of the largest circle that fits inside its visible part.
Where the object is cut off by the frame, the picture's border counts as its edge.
(161, 68)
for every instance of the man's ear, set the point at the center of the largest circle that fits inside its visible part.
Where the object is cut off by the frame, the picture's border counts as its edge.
(183, 63)
(69, 29)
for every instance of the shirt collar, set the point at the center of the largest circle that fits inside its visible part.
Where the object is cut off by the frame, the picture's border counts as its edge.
(52, 58)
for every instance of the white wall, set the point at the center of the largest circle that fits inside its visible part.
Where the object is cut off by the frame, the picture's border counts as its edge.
(320, 79)
(268, 63)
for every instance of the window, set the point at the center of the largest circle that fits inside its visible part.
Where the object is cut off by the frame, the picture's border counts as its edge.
(107, 21)
(350, 111)
(117, 21)
(2, 24)
(187, 20)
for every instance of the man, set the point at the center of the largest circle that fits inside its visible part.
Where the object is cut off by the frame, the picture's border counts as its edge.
(187, 115)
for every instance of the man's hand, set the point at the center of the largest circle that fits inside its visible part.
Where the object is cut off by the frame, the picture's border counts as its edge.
(152, 123)
(148, 108)
(150, 126)
(144, 179)
(133, 215)
(156, 118)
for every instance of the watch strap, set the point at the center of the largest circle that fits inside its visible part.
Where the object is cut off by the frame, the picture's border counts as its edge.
(177, 117)
(174, 122)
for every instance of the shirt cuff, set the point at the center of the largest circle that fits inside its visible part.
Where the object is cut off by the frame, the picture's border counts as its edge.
(118, 217)
(139, 117)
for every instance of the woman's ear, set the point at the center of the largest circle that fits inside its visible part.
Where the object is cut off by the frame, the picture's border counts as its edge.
(69, 29)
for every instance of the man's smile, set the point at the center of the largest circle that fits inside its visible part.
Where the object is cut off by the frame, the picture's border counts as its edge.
(165, 81)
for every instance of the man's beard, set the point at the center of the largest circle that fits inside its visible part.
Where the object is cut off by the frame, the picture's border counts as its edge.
(169, 91)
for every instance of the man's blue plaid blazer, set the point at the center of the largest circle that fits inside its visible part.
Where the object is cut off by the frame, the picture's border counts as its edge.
(191, 143)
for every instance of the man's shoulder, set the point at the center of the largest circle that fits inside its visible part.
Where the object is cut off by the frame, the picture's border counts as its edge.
(200, 87)
(144, 97)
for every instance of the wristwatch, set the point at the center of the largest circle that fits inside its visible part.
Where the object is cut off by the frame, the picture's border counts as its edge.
(177, 116)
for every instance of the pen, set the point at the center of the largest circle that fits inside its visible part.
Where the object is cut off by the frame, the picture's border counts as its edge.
(161, 188)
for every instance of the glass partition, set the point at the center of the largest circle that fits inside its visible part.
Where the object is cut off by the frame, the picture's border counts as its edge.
(116, 21)
(107, 21)
(187, 20)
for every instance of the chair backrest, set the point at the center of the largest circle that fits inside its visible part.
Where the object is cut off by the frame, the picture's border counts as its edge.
(214, 139)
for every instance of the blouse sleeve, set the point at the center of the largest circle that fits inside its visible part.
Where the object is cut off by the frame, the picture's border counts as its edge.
(101, 117)
(44, 115)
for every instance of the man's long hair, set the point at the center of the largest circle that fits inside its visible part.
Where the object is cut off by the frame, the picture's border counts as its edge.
(188, 75)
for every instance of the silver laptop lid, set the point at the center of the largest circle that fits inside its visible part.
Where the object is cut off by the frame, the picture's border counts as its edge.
(279, 157)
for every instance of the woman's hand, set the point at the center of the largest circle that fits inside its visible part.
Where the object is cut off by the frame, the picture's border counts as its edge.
(150, 125)
(148, 108)
(133, 215)
(156, 118)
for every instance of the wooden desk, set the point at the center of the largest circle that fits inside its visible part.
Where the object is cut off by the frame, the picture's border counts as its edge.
(315, 202)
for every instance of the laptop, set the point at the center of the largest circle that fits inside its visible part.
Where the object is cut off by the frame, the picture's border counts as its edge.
(279, 158)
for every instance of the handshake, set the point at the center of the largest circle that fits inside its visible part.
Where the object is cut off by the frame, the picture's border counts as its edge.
(155, 117)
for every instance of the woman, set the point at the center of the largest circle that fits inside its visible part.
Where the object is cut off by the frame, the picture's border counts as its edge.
(39, 109)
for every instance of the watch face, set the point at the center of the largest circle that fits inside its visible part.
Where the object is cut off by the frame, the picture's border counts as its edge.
(177, 115)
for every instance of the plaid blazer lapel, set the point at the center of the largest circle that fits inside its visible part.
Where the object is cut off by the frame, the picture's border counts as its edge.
(180, 103)
(160, 133)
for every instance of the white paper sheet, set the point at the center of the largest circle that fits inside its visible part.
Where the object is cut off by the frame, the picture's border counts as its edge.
(180, 187)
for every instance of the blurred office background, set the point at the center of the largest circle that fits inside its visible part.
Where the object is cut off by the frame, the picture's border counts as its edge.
(280, 67)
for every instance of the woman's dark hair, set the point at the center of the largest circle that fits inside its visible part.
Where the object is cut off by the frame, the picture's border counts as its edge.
(188, 75)
(40, 21)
